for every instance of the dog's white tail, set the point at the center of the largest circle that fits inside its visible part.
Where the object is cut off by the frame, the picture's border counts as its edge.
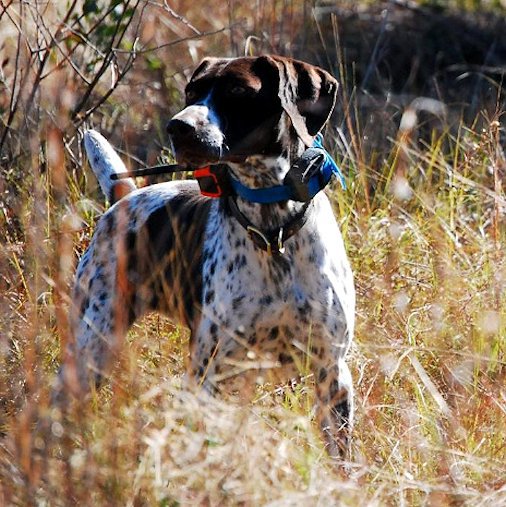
(105, 162)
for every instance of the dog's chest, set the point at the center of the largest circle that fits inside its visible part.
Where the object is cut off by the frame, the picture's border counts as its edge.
(269, 303)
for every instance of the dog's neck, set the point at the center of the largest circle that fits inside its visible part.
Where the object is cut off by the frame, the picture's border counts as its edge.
(258, 172)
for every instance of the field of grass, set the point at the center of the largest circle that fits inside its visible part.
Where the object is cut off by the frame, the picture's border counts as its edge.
(424, 225)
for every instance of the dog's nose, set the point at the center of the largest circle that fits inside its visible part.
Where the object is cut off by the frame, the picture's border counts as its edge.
(177, 127)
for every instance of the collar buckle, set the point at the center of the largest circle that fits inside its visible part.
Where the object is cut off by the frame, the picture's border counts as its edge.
(263, 242)
(281, 245)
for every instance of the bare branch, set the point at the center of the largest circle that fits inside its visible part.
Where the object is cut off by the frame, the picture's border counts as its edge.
(178, 41)
(108, 59)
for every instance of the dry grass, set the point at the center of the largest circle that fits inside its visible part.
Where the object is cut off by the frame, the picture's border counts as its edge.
(426, 237)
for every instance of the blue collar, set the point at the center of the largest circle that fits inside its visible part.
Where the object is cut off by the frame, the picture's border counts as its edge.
(280, 193)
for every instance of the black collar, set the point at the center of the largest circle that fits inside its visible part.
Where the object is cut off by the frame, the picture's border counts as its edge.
(271, 241)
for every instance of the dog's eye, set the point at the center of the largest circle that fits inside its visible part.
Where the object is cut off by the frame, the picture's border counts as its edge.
(191, 95)
(238, 90)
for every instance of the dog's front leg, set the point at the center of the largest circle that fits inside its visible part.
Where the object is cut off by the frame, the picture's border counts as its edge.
(204, 350)
(334, 407)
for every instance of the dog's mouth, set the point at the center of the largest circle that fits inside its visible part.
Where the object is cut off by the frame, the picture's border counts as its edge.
(195, 163)
(194, 157)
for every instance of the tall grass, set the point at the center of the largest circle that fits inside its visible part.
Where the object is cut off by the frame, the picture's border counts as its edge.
(424, 228)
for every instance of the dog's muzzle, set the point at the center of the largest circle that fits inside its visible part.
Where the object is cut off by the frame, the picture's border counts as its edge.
(196, 140)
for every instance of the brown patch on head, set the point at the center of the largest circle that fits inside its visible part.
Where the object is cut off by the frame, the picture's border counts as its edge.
(243, 72)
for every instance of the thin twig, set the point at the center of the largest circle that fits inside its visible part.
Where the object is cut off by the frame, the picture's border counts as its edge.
(178, 41)
(13, 102)
(110, 55)
(126, 68)
(179, 17)
(43, 61)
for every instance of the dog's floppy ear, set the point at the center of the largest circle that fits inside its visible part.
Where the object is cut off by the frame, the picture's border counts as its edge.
(307, 94)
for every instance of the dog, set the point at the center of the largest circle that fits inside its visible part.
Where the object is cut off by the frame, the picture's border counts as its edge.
(255, 268)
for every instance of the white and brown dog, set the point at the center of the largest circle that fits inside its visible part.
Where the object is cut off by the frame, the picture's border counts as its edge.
(259, 274)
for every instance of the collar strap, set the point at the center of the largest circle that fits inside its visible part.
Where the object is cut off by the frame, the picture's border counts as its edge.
(301, 183)
(271, 241)
(329, 165)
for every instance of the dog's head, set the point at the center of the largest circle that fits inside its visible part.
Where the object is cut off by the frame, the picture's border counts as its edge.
(239, 107)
